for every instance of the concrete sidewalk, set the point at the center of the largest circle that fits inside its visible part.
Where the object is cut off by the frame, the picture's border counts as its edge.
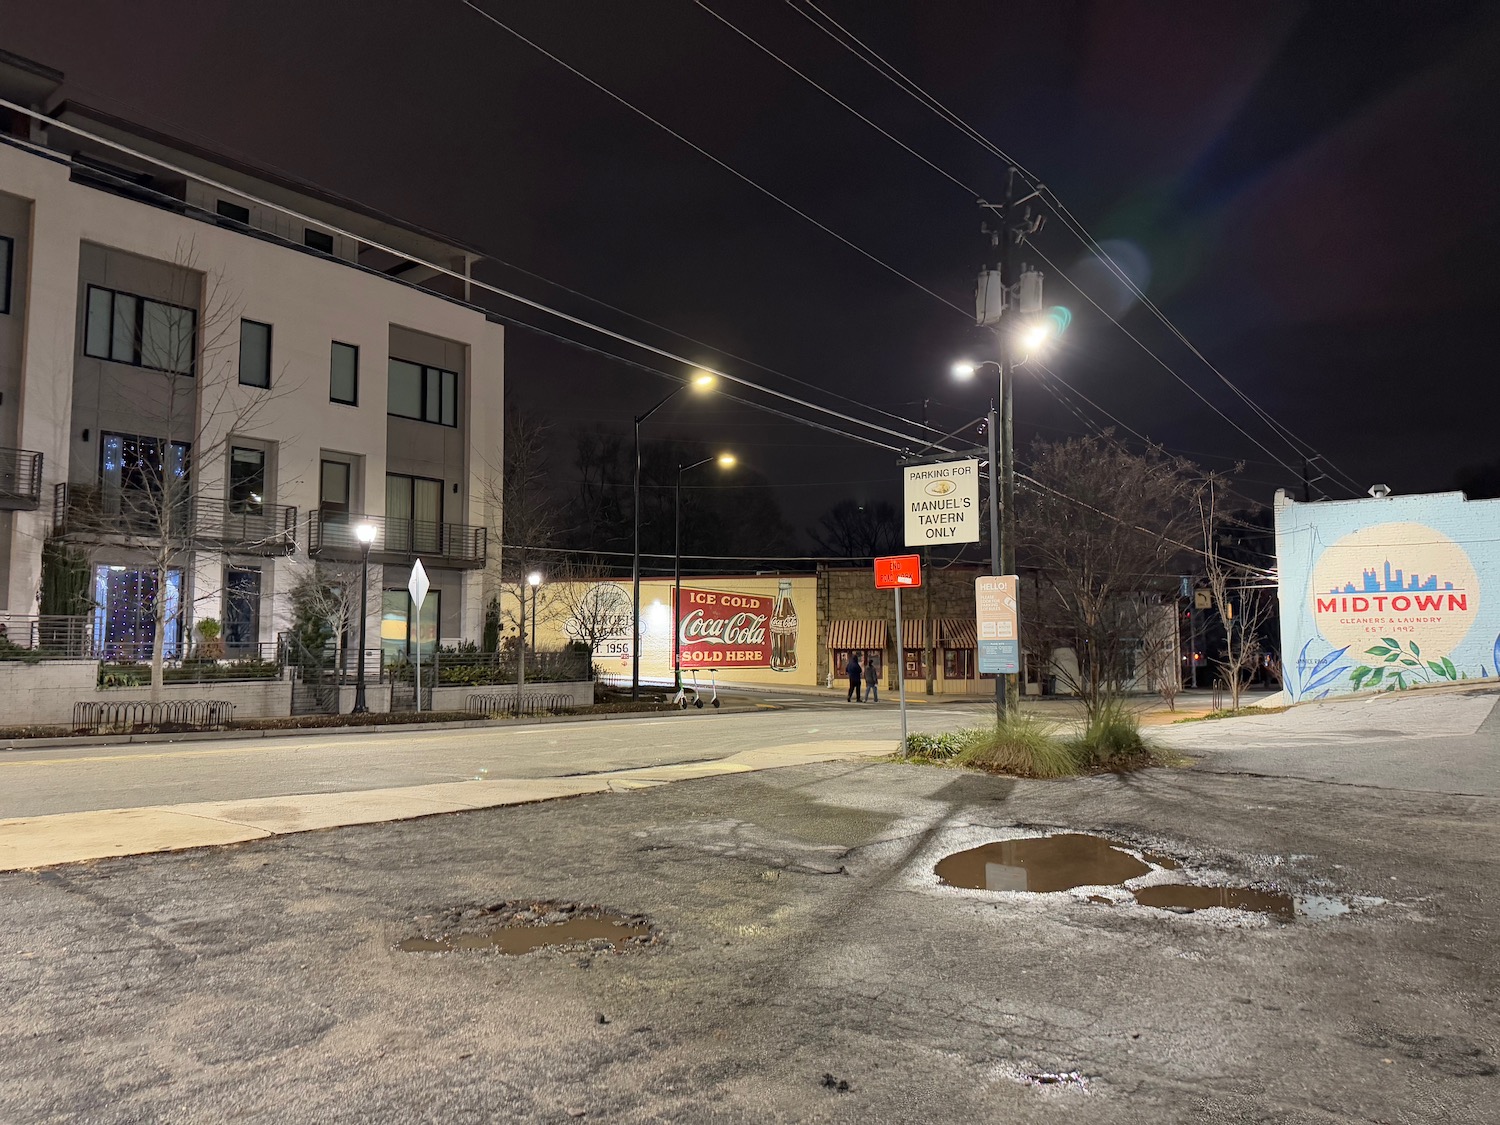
(32, 842)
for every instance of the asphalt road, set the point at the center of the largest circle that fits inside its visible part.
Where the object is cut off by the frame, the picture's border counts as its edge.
(803, 933)
(46, 781)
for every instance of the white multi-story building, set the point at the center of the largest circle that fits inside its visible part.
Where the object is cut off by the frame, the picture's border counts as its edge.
(257, 344)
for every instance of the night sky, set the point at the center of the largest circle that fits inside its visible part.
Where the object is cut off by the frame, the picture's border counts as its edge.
(1307, 189)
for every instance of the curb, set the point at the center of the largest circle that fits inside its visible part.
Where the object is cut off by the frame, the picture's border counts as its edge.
(65, 742)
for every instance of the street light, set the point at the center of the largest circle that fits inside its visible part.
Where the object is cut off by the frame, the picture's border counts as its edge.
(365, 533)
(702, 382)
(1036, 333)
(725, 461)
(534, 579)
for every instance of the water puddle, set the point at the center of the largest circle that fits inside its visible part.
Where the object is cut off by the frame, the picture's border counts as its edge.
(517, 928)
(1041, 864)
(1048, 864)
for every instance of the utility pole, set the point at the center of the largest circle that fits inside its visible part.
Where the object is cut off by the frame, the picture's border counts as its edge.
(929, 640)
(1007, 695)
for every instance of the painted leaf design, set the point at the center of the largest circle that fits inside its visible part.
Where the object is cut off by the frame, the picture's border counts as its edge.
(1393, 657)
(1324, 694)
(1390, 643)
(1408, 662)
(1331, 658)
(1378, 650)
(1357, 677)
(1497, 656)
(1415, 651)
(1376, 676)
(1448, 667)
(1400, 680)
(1327, 677)
(1437, 669)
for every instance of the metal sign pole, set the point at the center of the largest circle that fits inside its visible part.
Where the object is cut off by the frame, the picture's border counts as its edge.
(900, 671)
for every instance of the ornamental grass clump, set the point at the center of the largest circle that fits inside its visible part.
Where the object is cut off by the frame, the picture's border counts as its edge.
(1112, 740)
(1021, 746)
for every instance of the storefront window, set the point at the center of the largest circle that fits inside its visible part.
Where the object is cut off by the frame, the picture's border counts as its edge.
(958, 664)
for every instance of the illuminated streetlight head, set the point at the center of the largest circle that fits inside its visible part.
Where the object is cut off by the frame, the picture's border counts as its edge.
(964, 371)
(1037, 335)
(534, 578)
(365, 533)
(704, 381)
(726, 460)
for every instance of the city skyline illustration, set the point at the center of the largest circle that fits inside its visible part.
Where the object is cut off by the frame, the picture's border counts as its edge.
(1371, 583)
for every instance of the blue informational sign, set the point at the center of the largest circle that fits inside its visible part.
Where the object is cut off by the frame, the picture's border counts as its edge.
(999, 658)
(1387, 593)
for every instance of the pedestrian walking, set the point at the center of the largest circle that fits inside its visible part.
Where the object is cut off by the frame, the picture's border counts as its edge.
(872, 678)
(854, 672)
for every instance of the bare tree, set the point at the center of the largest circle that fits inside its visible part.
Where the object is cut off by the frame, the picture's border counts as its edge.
(170, 493)
(593, 610)
(325, 601)
(1160, 655)
(1236, 587)
(853, 530)
(1103, 527)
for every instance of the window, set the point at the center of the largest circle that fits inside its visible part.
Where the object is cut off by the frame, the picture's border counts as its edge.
(413, 514)
(247, 481)
(958, 663)
(233, 211)
(395, 622)
(241, 610)
(318, 240)
(7, 259)
(133, 472)
(428, 394)
(343, 374)
(333, 494)
(125, 617)
(139, 331)
(255, 353)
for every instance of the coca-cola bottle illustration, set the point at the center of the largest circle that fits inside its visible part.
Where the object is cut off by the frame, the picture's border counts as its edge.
(784, 630)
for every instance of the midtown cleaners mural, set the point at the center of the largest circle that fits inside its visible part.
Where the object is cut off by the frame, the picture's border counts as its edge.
(1386, 594)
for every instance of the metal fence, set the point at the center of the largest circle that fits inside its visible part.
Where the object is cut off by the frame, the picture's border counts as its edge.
(492, 705)
(139, 716)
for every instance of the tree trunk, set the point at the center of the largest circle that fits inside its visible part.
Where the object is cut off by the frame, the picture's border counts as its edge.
(158, 639)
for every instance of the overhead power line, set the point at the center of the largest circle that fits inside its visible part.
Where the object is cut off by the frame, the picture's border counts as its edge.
(872, 58)
(735, 172)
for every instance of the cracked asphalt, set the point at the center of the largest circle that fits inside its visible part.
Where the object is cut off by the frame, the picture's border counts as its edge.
(804, 935)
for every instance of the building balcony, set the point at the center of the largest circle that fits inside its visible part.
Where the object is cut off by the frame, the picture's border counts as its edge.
(83, 514)
(20, 480)
(330, 535)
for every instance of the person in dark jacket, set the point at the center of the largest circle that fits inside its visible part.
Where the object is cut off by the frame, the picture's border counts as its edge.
(872, 678)
(854, 672)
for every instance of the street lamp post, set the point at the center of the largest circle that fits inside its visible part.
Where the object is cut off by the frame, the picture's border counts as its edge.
(726, 461)
(701, 382)
(365, 533)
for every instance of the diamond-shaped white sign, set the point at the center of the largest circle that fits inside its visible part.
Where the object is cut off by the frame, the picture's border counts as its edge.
(418, 585)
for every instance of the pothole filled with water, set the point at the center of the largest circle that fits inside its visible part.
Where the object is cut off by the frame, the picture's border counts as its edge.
(521, 926)
(1062, 862)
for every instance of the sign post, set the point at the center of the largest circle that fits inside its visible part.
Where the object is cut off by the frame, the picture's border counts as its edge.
(417, 588)
(898, 572)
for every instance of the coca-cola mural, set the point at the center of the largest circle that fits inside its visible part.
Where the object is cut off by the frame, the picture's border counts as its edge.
(724, 630)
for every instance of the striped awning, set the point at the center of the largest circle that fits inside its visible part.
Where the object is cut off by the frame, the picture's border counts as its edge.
(912, 633)
(857, 632)
(959, 632)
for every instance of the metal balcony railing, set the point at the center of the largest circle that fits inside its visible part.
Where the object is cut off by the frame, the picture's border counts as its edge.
(331, 535)
(20, 480)
(85, 513)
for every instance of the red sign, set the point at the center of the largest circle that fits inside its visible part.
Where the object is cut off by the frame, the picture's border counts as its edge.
(723, 630)
(895, 571)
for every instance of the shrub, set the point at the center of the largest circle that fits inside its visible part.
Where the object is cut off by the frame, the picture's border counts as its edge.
(1022, 746)
(935, 747)
(1112, 740)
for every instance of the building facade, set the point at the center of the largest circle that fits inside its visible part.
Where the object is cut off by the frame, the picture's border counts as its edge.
(212, 366)
(1387, 593)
